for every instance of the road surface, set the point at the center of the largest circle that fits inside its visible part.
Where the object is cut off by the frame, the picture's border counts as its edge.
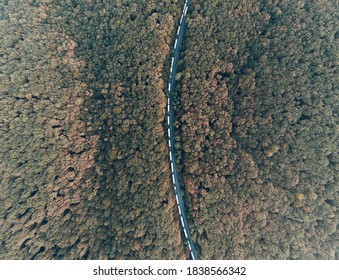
(170, 120)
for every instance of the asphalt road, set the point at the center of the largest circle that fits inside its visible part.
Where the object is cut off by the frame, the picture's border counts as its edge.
(170, 120)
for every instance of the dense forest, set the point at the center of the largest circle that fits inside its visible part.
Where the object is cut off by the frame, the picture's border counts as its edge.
(84, 169)
(84, 161)
(257, 112)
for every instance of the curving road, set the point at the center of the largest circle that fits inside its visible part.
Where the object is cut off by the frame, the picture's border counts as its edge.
(170, 120)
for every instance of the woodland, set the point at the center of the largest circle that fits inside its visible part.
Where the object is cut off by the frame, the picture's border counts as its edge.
(84, 169)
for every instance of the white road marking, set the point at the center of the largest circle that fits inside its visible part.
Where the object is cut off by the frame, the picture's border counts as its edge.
(179, 210)
(172, 168)
(172, 61)
(189, 246)
(176, 197)
(182, 17)
(170, 155)
(168, 107)
(169, 87)
(192, 255)
(168, 100)
(168, 119)
(169, 131)
(185, 11)
(185, 232)
(169, 143)
(175, 188)
(182, 222)
(175, 44)
(178, 30)
(173, 179)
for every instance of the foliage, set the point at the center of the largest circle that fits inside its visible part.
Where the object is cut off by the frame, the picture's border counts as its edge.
(84, 170)
(257, 109)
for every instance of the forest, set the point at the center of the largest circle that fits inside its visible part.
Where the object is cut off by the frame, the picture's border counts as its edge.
(257, 115)
(84, 169)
